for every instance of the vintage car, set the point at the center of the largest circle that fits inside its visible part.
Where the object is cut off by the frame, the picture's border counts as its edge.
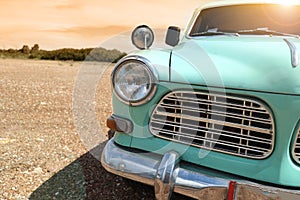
(217, 114)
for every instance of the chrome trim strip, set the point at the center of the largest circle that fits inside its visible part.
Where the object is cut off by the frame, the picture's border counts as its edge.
(144, 167)
(294, 53)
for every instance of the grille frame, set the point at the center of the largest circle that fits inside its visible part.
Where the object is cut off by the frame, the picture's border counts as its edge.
(296, 148)
(257, 106)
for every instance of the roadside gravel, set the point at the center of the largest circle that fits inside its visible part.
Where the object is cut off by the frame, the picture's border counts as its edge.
(45, 153)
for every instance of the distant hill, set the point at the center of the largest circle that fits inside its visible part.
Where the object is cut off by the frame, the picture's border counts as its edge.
(88, 54)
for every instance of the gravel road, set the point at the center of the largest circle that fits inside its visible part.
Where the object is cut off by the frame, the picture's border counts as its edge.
(52, 117)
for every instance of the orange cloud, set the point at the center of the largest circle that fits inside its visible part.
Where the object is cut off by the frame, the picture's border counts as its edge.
(94, 31)
(68, 22)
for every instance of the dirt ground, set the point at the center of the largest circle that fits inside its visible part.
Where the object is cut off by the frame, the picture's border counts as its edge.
(52, 130)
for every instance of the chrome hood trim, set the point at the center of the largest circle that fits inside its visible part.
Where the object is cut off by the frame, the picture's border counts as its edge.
(294, 52)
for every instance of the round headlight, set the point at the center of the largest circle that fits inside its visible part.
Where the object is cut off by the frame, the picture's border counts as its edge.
(134, 81)
(142, 37)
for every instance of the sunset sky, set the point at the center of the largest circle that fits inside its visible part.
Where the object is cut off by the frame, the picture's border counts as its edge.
(84, 23)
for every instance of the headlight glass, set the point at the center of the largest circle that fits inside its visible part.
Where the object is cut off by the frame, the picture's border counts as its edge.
(134, 82)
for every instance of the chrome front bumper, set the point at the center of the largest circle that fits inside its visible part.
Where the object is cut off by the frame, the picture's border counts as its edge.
(167, 174)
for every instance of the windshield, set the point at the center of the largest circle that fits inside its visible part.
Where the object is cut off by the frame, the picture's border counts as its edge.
(245, 19)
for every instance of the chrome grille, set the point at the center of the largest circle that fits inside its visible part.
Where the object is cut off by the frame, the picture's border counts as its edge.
(217, 122)
(296, 152)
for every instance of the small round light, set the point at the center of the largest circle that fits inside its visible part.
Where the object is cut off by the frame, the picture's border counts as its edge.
(133, 82)
(142, 37)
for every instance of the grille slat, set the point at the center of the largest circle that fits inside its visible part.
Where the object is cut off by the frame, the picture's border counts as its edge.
(189, 138)
(209, 102)
(227, 124)
(226, 133)
(214, 122)
(237, 116)
(296, 151)
(216, 136)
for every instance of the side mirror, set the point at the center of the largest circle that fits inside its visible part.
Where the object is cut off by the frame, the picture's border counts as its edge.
(173, 35)
(142, 37)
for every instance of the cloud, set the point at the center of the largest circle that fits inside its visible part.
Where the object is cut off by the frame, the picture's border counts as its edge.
(69, 22)
(93, 31)
(68, 5)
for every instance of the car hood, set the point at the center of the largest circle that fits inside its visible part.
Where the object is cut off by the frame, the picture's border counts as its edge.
(254, 63)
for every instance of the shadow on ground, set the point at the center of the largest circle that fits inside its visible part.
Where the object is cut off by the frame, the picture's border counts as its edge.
(85, 178)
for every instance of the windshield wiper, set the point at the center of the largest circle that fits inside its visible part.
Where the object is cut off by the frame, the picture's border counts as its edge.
(213, 32)
(266, 31)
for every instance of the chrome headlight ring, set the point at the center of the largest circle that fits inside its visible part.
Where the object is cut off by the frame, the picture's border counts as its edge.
(134, 80)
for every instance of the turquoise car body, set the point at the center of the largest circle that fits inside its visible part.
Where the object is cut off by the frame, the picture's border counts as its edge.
(273, 80)
(248, 66)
